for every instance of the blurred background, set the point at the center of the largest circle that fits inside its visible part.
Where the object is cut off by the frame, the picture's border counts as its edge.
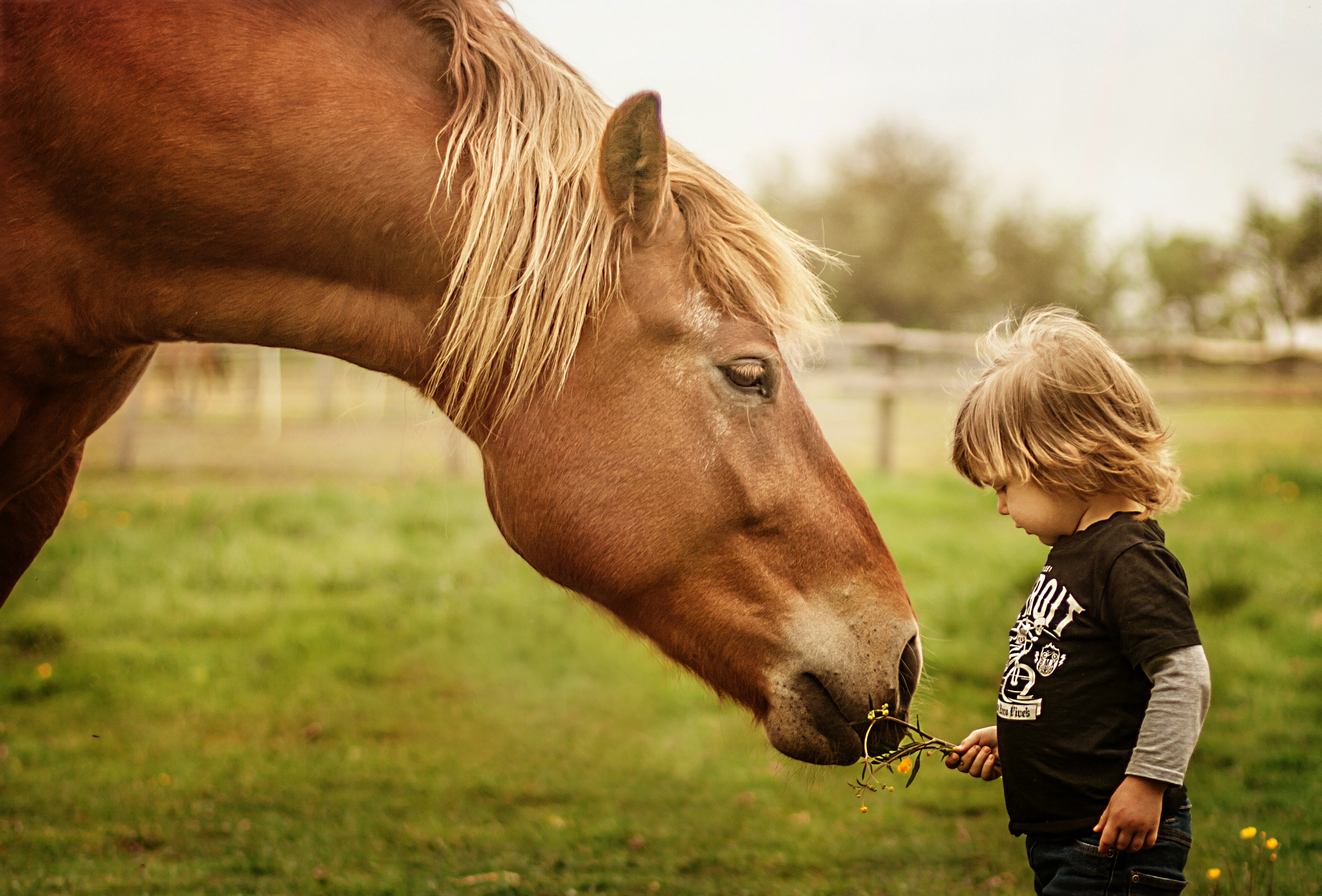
(277, 645)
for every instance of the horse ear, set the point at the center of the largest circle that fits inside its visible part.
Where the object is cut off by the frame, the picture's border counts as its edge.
(633, 164)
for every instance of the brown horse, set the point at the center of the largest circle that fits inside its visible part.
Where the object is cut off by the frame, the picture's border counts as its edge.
(423, 189)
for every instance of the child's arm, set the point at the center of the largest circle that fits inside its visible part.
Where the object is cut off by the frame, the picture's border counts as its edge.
(977, 754)
(1181, 690)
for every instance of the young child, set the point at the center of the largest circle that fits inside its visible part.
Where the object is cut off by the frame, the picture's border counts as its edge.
(1106, 686)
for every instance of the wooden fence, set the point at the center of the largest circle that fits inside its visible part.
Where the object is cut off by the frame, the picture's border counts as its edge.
(885, 362)
(875, 364)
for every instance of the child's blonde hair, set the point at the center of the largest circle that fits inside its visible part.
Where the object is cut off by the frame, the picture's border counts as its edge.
(1057, 407)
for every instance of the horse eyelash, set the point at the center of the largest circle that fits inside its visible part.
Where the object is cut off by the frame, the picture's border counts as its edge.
(749, 371)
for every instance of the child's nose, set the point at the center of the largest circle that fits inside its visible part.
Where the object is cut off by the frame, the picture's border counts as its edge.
(1000, 506)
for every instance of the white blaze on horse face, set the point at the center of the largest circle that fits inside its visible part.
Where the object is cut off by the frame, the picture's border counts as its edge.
(690, 366)
(703, 315)
(699, 320)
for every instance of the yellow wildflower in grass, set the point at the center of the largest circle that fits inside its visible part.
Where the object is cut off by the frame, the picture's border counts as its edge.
(1272, 843)
(904, 766)
(1213, 873)
(1248, 832)
(44, 670)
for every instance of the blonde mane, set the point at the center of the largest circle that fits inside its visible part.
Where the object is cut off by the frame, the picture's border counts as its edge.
(540, 251)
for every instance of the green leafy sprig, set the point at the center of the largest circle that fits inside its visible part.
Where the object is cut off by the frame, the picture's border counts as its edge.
(906, 758)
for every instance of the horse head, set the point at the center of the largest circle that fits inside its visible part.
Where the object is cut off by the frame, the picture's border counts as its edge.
(593, 309)
(677, 477)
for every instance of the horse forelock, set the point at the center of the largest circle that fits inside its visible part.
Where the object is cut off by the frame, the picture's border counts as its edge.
(751, 264)
(539, 252)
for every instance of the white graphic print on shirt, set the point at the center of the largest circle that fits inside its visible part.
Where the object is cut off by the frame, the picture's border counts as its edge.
(1048, 611)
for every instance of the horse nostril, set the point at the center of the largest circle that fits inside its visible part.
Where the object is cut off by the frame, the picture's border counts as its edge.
(911, 666)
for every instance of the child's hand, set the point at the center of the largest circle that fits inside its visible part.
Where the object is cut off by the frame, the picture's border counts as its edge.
(1132, 816)
(977, 755)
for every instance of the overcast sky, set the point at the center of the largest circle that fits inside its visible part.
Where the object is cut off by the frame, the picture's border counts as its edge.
(1161, 113)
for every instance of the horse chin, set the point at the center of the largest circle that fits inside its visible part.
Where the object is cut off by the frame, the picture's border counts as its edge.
(806, 723)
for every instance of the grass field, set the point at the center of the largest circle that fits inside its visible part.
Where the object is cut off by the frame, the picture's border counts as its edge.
(214, 682)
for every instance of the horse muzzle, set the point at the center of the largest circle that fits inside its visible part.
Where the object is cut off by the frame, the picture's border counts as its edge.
(819, 710)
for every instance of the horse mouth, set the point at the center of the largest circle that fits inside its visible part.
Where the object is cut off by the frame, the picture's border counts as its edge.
(810, 726)
(815, 718)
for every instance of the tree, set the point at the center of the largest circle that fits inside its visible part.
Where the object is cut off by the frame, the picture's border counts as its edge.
(1286, 251)
(1191, 273)
(1037, 259)
(896, 211)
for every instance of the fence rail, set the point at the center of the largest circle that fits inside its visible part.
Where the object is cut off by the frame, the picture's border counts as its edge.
(890, 338)
(882, 362)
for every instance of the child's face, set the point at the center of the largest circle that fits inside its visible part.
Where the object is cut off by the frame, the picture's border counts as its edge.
(1048, 515)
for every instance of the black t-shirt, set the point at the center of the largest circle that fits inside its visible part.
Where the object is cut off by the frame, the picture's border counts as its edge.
(1073, 694)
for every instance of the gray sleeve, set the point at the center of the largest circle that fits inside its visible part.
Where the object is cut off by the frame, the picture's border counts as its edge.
(1181, 691)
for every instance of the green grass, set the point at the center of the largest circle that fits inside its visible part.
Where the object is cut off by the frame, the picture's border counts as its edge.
(339, 687)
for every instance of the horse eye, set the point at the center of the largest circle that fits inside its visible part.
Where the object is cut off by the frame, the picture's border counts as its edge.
(748, 375)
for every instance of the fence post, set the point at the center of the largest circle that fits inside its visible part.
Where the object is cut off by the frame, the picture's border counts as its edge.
(268, 393)
(325, 373)
(885, 353)
(129, 416)
(885, 430)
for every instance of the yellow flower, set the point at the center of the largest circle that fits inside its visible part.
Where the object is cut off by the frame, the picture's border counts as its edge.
(44, 670)
(1248, 832)
(1213, 873)
(1272, 843)
(863, 809)
(904, 766)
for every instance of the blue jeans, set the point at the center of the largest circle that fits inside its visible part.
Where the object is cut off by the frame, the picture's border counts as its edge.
(1066, 866)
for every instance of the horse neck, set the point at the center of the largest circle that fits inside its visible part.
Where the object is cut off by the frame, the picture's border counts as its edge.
(315, 226)
(374, 301)
(381, 329)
